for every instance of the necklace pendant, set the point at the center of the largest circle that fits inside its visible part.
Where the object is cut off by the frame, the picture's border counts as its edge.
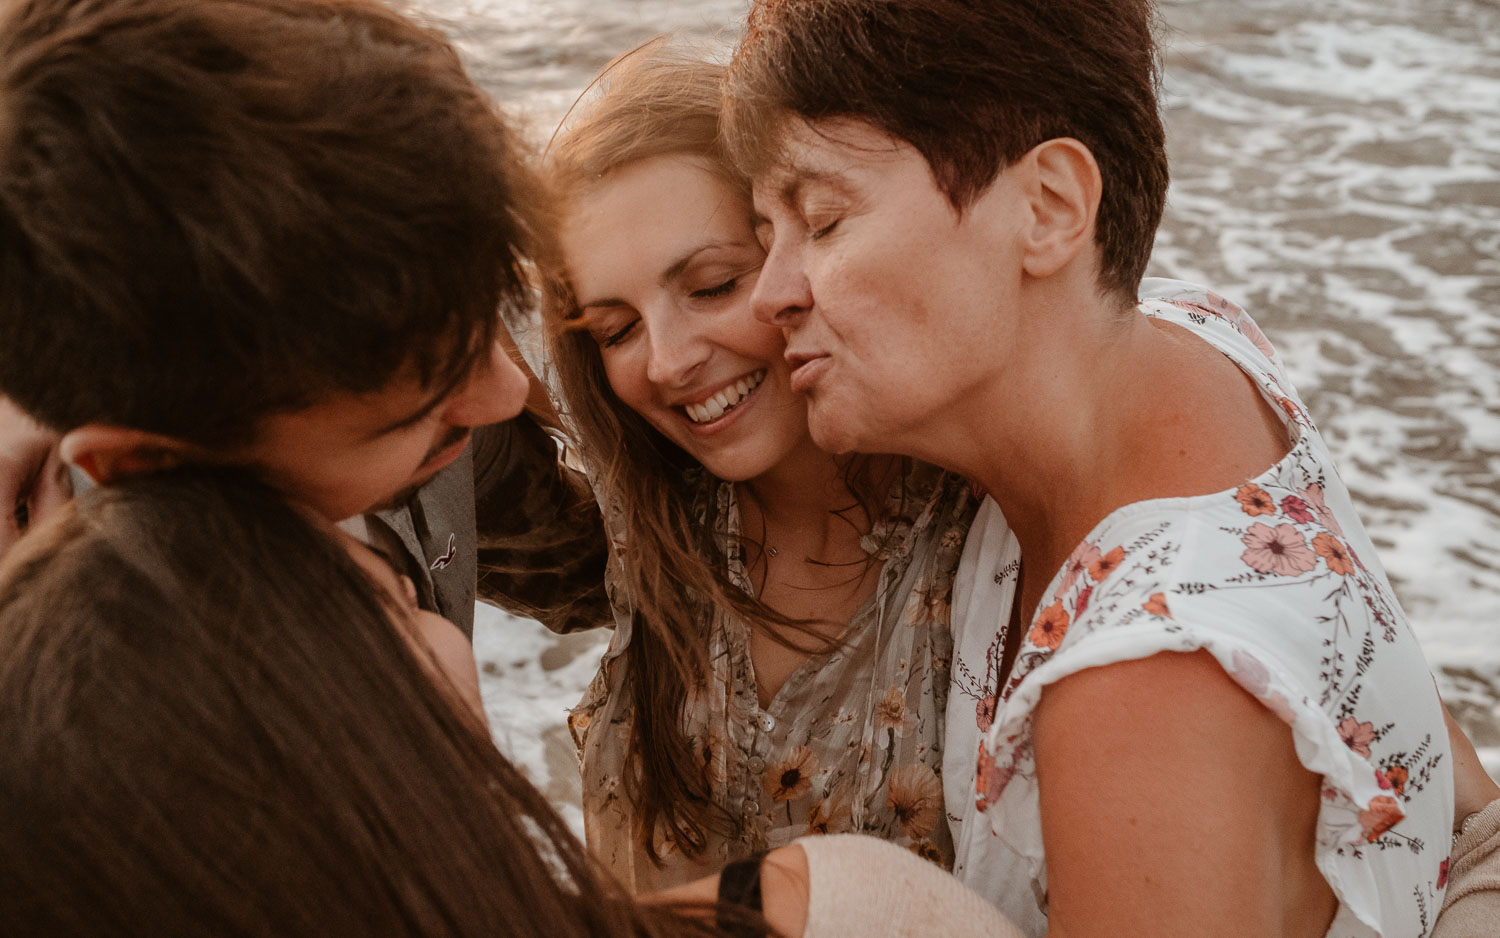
(773, 551)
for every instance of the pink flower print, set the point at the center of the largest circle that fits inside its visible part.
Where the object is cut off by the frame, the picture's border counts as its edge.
(990, 780)
(1251, 331)
(1281, 550)
(1280, 706)
(1083, 601)
(984, 712)
(1219, 306)
(1251, 673)
(1255, 500)
(1107, 564)
(1050, 627)
(1331, 549)
(1157, 605)
(1296, 509)
(1382, 781)
(1357, 735)
(1443, 873)
(1313, 494)
(1382, 815)
(1085, 555)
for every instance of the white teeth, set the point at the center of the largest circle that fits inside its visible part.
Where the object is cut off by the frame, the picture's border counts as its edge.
(726, 400)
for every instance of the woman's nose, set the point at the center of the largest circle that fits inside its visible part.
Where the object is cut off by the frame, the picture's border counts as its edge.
(782, 294)
(677, 354)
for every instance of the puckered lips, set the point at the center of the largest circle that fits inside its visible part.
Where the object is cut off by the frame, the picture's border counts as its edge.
(807, 368)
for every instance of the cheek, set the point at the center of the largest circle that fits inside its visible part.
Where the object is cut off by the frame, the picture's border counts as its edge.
(626, 373)
(760, 340)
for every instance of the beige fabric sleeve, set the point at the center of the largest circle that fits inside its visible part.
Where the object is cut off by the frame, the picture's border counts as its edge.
(1471, 908)
(864, 886)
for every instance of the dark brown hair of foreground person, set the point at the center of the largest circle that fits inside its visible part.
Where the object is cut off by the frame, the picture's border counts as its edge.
(973, 87)
(212, 210)
(213, 727)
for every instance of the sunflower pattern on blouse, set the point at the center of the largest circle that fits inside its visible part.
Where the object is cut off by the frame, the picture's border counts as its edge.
(1278, 580)
(851, 742)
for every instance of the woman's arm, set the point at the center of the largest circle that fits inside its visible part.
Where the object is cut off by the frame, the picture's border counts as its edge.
(1471, 907)
(1472, 904)
(1173, 803)
(1473, 787)
(850, 884)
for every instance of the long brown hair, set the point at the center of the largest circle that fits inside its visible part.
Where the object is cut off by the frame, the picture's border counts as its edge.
(661, 503)
(211, 726)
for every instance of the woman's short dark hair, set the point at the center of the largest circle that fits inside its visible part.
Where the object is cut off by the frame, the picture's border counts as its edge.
(973, 86)
(213, 210)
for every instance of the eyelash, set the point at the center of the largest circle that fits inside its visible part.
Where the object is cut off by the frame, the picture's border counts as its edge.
(820, 232)
(723, 289)
(619, 335)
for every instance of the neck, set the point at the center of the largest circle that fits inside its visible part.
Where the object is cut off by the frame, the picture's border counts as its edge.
(1055, 434)
(807, 497)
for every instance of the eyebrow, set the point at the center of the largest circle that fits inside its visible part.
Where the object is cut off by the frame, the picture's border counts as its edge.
(797, 178)
(672, 272)
(427, 407)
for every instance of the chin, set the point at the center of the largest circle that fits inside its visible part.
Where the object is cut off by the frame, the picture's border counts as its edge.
(831, 438)
(734, 470)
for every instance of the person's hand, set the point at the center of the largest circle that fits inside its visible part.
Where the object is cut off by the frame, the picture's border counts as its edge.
(33, 479)
(1473, 788)
(783, 889)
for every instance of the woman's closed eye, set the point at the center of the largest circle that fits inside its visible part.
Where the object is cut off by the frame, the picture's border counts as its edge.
(816, 233)
(723, 289)
(609, 338)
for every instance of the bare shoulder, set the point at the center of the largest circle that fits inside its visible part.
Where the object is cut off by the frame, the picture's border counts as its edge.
(1171, 797)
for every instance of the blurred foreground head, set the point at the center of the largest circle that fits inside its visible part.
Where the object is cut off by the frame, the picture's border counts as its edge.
(213, 726)
(216, 210)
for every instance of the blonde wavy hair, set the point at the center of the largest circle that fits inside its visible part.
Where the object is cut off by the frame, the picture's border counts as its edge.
(652, 101)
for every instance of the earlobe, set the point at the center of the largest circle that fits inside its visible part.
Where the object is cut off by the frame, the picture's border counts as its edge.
(108, 453)
(1065, 192)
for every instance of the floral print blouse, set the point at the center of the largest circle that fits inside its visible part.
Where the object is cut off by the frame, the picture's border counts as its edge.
(852, 742)
(1276, 579)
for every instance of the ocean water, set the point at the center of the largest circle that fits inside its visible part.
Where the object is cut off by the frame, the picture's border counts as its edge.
(1336, 170)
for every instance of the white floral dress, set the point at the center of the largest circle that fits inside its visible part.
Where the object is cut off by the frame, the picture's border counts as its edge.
(1275, 578)
(852, 742)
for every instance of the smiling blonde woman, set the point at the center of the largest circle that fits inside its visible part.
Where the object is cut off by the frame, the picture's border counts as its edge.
(780, 659)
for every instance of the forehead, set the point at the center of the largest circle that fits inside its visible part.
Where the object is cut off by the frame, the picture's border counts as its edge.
(838, 151)
(669, 191)
(350, 417)
(647, 219)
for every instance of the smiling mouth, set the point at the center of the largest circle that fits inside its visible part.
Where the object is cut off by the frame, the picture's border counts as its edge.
(724, 401)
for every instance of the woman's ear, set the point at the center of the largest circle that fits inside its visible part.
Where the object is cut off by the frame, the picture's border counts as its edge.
(107, 452)
(1064, 194)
